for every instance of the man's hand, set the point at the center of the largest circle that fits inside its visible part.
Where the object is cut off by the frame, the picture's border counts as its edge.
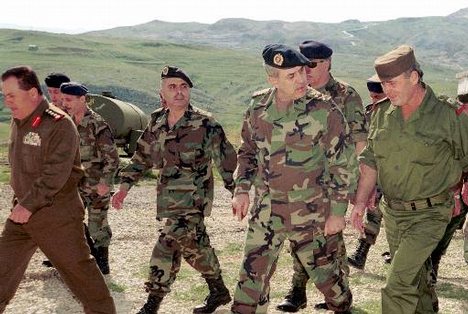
(102, 189)
(464, 193)
(20, 214)
(119, 197)
(334, 224)
(240, 205)
(357, 217)
(457, 203)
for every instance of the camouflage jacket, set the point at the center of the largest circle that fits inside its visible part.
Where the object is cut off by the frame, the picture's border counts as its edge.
(99, 155)
(44, 158)
(350, 103)
(184, 155)
(298, 156)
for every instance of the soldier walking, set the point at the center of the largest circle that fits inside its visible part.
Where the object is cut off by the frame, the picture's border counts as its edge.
(100, 160)
(181, 141)
(417, 150)
(294, 152)
(47, 210)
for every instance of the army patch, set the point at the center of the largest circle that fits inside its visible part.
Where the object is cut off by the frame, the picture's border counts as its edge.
(32, 138)
(278, 59)
(165, 70)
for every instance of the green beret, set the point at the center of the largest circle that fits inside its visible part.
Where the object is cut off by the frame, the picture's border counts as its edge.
(283, 57)
(315, 50)
(171, 71)
(56, 79)
(395, 62)
(73, 88)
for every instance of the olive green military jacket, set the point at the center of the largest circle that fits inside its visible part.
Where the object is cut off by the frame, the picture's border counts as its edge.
(421, 157)
(44, 157)
(350, 103)
(184, 155)
(297, 156)
(99, 155)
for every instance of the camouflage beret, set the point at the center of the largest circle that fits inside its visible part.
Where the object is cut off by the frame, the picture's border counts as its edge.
(396, 62)
(283, 57)
(171, 71)
(315, 50)
(73, 88)
(374, 85)
(56, 79)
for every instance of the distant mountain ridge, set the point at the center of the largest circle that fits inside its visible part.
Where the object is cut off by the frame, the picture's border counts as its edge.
(443, 39)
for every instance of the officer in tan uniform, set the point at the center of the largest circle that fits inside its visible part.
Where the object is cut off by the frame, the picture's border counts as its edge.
(47, 210)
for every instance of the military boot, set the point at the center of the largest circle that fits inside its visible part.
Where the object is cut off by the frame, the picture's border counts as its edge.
(358, 259)
(295, 300)
(219, 295)
(152, 305)
(102, 259)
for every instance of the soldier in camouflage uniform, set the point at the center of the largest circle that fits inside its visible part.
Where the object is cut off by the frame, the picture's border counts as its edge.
(294, 152)
(53, 82)
(182, 141)
(350, 103)
(373, 217)
(417, 151)
(100, 160)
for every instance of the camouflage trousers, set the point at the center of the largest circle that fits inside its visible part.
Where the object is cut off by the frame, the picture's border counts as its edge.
(181, 237)
(300, 276)
(372, 223)
(264, 240)
(98, 225)
(412, 236)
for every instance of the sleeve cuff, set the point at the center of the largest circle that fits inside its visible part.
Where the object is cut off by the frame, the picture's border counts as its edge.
(339, 209)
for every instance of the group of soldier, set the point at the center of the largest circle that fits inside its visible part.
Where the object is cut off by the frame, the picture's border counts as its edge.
(308, 147)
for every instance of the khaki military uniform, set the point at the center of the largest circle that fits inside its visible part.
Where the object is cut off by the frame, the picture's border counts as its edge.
(45, 171)
(417, 166)
(100, 160)
(297, 162)
(350, 103)
(184, 155)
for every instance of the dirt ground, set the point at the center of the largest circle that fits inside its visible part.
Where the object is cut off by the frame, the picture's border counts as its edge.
(135, 230)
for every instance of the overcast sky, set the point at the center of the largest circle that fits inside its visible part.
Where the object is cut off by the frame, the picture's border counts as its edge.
(84, 15)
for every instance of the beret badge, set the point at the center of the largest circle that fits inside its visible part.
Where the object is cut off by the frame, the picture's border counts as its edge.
(278, 59)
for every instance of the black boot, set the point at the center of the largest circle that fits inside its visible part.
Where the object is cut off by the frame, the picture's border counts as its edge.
(219, 295)
(358, 259)
(102, 259)
(152, 305)
(435, 259)
(295, 300)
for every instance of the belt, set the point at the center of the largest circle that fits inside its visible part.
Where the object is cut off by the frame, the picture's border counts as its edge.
(417, 204)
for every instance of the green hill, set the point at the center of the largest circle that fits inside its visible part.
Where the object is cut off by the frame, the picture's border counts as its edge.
(224, 58)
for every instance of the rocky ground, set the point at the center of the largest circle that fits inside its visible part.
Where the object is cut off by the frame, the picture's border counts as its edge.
(135, 230)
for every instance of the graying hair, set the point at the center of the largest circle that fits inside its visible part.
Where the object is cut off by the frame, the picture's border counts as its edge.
(270, 71)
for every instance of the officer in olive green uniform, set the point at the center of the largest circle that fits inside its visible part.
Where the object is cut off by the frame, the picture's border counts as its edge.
(182, 141)
(350, 103)
(47, 210)
(417, 150)
(100, 160)
(294, 152)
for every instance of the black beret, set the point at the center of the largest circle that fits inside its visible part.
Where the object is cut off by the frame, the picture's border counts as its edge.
(315, 50)
(56, 79)
(171, 71)
(283, 57)
(73, 88)
(374, 85)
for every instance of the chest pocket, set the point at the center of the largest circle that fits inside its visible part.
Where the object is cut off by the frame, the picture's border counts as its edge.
(31, 159)
(302, 145)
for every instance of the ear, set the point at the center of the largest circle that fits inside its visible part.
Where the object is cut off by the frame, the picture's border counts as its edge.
(33, 92)
(414, 77)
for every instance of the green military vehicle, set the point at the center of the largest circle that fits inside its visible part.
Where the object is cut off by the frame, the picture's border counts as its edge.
(126, 120)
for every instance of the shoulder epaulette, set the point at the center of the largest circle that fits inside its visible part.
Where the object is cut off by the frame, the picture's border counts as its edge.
(56, 115)
(261, 92)
(381, 101)
(315, 94)
(201, 112)
(452, 103)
